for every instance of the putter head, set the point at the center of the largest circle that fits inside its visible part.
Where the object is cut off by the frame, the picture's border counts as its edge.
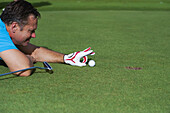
(49, 68)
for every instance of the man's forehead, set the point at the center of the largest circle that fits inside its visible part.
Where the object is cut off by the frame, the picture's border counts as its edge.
(31, 17)
(32, 22)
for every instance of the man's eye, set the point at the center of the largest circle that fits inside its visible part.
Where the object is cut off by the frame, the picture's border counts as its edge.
(29, 31)
(33, 31)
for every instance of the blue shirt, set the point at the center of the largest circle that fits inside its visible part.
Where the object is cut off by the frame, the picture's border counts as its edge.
(5, 40)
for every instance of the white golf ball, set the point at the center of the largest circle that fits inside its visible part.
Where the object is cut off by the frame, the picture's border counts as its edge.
(91, 63)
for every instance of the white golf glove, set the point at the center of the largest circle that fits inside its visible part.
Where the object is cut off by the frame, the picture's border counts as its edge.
(74, 58)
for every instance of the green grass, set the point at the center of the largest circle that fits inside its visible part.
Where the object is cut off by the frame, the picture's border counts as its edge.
(52, 5)
(106, 5)
(120, 39)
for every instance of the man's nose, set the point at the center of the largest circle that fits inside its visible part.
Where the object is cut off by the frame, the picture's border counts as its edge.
(33, 35)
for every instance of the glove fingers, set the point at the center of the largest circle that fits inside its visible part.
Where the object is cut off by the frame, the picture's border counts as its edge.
(85, 59)
(74, 58)
(86, 53)
(93, 53)
(87, 49)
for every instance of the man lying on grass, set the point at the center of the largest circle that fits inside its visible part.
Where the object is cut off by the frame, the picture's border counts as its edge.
(18, 23)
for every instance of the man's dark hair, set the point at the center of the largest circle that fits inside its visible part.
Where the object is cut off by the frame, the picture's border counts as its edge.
(19, 12)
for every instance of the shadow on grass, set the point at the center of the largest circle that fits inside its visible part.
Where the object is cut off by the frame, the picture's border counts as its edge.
(11, 77)
(6, 77)
(15, 76)
(2, 63)
(37, 4)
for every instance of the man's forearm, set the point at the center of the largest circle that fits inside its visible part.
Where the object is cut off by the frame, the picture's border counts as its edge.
(42, 54)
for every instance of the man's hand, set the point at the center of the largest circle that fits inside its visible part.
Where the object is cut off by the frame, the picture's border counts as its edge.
(74, 58)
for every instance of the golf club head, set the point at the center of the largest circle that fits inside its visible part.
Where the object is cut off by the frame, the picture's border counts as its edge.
(49, 68)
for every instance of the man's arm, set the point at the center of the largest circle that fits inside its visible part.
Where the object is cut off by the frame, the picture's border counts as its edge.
(29, 54)
(16, 60)
(41, 54)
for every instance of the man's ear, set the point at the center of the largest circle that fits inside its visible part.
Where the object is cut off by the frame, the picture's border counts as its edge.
(14, 27)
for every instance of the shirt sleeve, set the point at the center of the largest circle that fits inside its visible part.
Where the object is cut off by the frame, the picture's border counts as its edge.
(6, 42)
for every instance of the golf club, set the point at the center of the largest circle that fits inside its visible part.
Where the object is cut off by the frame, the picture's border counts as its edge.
(47, 67)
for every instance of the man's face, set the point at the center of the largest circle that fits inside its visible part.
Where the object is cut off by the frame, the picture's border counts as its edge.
(22, 37)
